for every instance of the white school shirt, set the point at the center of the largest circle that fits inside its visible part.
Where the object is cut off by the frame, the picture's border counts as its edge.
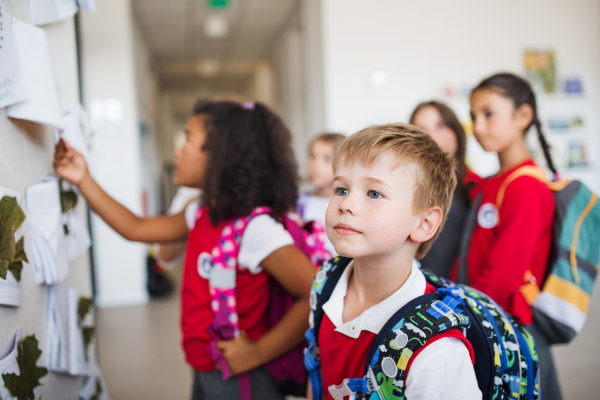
(442, 370)
(262, 236)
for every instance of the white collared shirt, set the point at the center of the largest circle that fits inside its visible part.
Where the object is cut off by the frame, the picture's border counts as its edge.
(443, 370)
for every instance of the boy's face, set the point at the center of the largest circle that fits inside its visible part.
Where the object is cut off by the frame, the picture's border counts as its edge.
(319, 166)
(371, 211)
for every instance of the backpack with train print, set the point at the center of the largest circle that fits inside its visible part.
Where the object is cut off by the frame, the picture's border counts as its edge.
(506, 362)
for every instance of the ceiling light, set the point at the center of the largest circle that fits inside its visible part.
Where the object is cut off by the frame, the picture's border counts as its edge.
(216, 26)
(208, 68)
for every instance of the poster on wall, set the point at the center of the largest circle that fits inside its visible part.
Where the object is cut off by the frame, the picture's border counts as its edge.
(540, 70)
(43, 104)
(11, 236)
(12, 80)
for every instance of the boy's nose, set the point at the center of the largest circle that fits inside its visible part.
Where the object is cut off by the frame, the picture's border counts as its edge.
(348, 205)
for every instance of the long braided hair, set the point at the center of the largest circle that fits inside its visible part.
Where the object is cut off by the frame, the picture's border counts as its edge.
(520, 92)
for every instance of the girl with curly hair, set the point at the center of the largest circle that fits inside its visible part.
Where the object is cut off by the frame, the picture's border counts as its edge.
(241, 158)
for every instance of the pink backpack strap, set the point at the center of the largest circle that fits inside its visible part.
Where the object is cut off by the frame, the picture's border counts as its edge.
(225, 325)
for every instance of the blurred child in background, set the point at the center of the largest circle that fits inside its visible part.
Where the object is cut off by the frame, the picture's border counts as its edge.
(241, 158)
(439, 121)
(311, 206)
(511, 244)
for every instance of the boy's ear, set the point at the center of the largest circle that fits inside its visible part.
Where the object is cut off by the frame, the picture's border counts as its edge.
(430, 222)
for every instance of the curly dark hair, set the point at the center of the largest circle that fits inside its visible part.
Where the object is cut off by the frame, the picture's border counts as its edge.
(250, 160)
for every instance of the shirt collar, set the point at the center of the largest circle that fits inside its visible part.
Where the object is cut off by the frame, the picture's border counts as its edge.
(374, 318)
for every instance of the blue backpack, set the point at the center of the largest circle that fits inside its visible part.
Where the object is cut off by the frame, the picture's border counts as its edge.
(506, 362)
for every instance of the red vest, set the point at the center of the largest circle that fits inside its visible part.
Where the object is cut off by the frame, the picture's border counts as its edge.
(252, 294)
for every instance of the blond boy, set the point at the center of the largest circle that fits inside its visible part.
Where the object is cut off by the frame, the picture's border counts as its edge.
(392, 190)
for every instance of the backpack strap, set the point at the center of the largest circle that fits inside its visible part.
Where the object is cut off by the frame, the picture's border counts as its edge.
(465, 241)
(223, 265)
(526, 170)
(325, 281)
(407, 331)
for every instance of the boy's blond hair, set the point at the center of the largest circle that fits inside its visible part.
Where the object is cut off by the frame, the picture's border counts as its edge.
(435, 178)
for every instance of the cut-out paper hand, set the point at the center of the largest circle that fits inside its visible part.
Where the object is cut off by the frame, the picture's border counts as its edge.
(69, 164)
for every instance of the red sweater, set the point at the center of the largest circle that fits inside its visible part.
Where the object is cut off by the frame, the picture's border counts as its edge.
(512, 241)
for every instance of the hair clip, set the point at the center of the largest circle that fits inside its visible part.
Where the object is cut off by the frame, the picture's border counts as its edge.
(248, 106)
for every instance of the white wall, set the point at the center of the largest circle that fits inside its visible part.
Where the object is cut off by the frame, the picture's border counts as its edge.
(26, 151)
(298, 63)
(424, 45)
(108, 52)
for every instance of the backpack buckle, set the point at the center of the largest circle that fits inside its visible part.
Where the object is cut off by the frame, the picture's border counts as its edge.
(439, 309)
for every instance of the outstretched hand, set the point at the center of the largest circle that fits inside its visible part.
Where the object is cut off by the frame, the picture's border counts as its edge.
(68, 163)
(241, 353)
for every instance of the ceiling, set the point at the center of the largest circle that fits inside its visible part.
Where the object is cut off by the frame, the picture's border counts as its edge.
(175, 33)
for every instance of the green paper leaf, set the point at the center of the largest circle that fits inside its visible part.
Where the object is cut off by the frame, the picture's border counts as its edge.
(84, 307)
(11, 212)
(20, 251)
(88, 335)
(11, 254)
(7, 247)
(4, 264)
(15, 268)
(68, 199)
(22, 386)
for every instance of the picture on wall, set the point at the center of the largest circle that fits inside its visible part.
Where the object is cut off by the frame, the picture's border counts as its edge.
(540, 70)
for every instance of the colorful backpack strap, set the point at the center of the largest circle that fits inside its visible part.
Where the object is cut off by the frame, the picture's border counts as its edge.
(407, 331)
(325, 280)
(498, 341)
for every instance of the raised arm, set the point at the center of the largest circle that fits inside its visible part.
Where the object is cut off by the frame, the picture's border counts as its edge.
(71, 165)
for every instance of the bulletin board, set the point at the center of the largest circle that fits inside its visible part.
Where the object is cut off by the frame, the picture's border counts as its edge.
(26, 150)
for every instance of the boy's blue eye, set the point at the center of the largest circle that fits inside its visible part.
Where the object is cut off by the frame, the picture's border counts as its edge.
(341, 191)
(374, 195)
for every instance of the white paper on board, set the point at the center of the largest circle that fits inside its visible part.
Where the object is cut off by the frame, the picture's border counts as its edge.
(43, 104)
(94, 386)
(49, 11)
(78, 239)
(8, 363)
(46, 230)
(11, 291)
(65, 347)
(12, 79)
(87, 5)
(78, 133)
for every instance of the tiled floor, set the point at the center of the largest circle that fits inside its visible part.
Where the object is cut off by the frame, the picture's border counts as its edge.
(141, 357)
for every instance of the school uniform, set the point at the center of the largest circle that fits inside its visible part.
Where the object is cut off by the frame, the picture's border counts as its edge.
(262, 236)
(507, 245)
(510, 242)
(443, 369)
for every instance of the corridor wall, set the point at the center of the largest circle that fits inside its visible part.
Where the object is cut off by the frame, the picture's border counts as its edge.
(26, 152)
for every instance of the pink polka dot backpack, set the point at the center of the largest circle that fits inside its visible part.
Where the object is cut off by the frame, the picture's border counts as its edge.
(310, 239)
